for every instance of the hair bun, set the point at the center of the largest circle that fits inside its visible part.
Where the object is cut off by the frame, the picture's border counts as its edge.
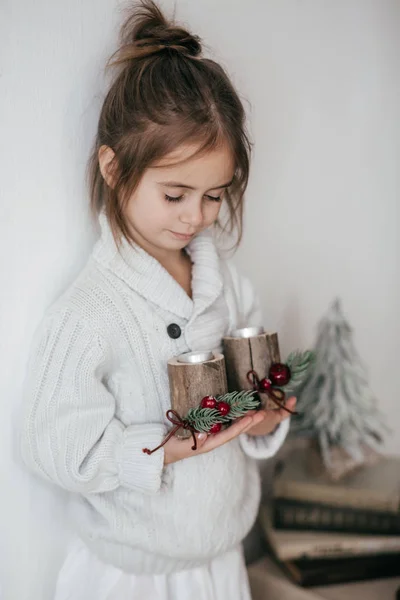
(146, 31)
(173, 38)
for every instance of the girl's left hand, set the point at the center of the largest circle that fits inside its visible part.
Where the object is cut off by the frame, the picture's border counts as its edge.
(272, 418)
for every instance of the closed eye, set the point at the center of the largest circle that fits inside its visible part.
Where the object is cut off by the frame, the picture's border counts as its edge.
(173, 198)
(179, 198)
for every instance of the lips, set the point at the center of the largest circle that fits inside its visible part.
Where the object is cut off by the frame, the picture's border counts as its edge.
(182, 236)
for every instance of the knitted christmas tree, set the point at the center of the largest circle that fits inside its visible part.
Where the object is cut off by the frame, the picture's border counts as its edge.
(336, 405)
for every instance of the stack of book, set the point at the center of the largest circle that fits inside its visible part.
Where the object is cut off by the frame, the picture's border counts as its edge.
(325, 532)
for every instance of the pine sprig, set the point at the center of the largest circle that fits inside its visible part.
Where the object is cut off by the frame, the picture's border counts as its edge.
(299, 363)
(202, 419)
(240, 403)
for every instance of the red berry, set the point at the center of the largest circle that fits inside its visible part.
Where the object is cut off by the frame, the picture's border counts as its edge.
(223, 408)
(208, 402)
(279, 374)
(215, 428)
(265, 384)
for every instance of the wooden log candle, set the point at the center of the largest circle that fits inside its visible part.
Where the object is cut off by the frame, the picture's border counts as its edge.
(192, 376)
(200, 400)
(250, 349)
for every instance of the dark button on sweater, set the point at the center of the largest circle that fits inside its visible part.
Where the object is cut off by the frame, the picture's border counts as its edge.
(174, 331)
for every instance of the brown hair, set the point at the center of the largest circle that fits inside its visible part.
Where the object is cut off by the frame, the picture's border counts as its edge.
(164, 95)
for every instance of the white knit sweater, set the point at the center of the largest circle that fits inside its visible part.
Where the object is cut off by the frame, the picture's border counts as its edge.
(97, 391)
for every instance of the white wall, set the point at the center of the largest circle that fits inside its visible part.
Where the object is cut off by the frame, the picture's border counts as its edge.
(322, 218)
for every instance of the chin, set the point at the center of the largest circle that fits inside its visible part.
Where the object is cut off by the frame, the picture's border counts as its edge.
(177, 245)
(170, 243)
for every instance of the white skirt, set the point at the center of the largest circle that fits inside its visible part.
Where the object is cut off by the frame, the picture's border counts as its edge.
(84, 577)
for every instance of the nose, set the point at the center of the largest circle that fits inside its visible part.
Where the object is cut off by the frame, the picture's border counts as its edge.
(192, 215)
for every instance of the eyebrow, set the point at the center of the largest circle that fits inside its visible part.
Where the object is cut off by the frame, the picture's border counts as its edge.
(189, 187)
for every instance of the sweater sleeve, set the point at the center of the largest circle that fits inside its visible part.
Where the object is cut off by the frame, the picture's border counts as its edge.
(70, 434)
(249, 313)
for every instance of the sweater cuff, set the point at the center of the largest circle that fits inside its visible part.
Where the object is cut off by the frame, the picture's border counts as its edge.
(139, 471)
(265, 446)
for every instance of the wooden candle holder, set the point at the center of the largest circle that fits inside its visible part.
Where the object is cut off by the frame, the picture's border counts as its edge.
(192, 376)
(250, 349)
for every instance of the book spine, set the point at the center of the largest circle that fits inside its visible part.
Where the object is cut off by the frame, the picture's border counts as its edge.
(335, 495)
(343, 572)
(289, 514)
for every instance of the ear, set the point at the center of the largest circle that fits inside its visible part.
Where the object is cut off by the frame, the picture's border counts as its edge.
(107, 166)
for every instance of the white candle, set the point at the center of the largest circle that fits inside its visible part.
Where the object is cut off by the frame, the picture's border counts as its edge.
(195, 357)
(248, 332)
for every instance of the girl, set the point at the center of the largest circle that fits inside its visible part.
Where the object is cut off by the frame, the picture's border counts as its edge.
(170, 149)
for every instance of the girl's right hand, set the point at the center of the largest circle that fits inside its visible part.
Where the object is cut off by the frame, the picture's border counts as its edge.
(176, 449)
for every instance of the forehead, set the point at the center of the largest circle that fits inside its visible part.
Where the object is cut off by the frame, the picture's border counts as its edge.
(212, 167)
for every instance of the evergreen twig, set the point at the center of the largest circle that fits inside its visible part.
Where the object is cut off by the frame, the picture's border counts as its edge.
(299, 364)
(202, 419)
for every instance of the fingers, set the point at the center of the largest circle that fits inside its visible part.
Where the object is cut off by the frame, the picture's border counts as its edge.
(201, 438)
(256, 421)
(177, 449)
(238, 427)
(290, 404)
(272, 418)
(281, 414)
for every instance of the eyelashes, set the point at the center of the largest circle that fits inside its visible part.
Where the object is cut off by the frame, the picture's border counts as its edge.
(179, 198)
(172, 198)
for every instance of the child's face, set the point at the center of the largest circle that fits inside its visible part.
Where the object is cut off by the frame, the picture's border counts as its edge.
(158, 223)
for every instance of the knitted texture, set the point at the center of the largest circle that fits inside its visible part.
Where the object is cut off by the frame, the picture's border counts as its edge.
(96, 393)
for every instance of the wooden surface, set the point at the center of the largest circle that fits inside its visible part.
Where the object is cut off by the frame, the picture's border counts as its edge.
(189, 383)
(245, 354)
(268, 582)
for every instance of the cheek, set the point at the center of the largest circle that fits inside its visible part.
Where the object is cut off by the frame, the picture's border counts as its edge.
(164, 213)
(211, 212)
(151, 212)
